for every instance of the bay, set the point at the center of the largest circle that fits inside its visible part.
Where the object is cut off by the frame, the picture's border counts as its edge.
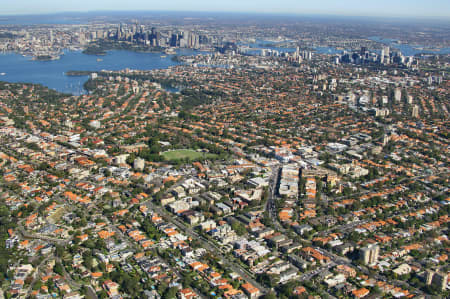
(18, 68)
(258, 45)
(409, 50)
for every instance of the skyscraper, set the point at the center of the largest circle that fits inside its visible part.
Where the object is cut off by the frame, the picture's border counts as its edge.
(363, 52)
(370, 254)
(429, 277)
(409, 99)
(415, 111)
(440, 280)
(397, 94)
(385, 55)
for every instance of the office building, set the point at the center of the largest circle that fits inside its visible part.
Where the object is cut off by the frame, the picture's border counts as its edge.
(369, 254)
(397, 94)
(440, 280)
(387, 56)
(415, 111)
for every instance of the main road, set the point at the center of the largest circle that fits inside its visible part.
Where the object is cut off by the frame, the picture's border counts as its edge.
(270, 204)
(206, 244)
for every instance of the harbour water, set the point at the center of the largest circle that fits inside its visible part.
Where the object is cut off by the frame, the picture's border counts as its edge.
(405, 49)
(255, 48)
(18, 68)
(409, 50)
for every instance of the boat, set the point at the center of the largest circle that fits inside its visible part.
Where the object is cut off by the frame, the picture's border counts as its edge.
(2, 74)
(170, 51)
(163, 56)
(99, 59)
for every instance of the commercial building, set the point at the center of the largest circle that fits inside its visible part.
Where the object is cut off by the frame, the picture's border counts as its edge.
(369, 254)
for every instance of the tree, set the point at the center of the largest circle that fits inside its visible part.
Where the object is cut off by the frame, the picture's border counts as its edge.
(103, 294)
(130, 284)
(37, 285)
(267, 279)
(170, 293)
(59, 251)
(58, 269)
(270, 295)
(239, 228)
(50, 284)
(162, 287)
(187, 280)
(183, 115)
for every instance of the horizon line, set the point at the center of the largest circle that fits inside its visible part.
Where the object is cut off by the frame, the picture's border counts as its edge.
(292, 14)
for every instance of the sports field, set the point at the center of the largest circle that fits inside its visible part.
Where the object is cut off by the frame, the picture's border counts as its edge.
(186, 153)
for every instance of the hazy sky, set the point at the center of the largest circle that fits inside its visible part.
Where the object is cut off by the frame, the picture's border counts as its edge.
(423, 8)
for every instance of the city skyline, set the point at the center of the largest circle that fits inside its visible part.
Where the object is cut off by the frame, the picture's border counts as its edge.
(399, 8)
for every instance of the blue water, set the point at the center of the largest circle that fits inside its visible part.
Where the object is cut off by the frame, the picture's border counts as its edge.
(327, 50)
(51, 73)
(320, 50)
(258, 45)
(256, 48)
(171, 89)
(407, 50)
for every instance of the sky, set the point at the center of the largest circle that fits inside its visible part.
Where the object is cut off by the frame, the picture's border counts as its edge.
(413, 8)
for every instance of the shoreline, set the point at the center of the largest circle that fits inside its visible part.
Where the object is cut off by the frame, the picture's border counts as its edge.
(69, 74)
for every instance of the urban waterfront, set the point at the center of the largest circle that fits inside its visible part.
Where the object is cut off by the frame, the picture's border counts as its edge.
(409, 50)
(18, 68)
